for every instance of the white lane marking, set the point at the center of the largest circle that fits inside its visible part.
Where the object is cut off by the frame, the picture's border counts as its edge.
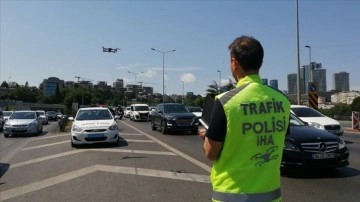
(134, 151)
(68, 141)
(13, 150)
(51, 136)
(11, 193)
(155, 173)
(83, 150)
(45, 145)
(44, 183)
(131, 134)
(133, 140)
(185, 156)
(45, 158)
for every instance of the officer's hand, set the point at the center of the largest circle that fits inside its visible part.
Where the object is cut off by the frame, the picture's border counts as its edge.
(201, 133)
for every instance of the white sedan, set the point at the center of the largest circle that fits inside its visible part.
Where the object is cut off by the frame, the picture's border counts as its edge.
(94, 125)
(318, 120)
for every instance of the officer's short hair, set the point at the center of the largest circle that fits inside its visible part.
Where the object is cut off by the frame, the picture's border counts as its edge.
(248, 52)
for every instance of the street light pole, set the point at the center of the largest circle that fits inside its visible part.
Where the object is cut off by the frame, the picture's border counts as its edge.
(135, 74)
(219, 81)
(309, 47)
(182, 92)
(298, 54)
(163, 68)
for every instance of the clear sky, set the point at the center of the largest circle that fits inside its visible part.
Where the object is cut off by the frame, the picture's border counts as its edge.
(64, 39)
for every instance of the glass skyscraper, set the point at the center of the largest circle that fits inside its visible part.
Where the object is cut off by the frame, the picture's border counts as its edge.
(341, 81)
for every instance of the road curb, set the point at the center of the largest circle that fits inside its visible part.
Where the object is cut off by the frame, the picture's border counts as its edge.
(352, 130)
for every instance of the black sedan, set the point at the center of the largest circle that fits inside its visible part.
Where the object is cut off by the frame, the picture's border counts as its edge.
(170, 117)
(308, 147)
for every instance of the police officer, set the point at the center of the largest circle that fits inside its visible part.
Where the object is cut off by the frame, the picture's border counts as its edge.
(246, 133)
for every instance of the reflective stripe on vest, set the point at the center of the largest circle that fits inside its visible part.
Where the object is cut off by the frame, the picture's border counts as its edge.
(229, 197)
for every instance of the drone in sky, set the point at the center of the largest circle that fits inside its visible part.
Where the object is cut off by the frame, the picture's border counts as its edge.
(110, 50)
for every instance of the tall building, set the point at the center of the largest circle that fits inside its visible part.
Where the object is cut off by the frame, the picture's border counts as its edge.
(307, 75)
(119, 83)
(341, 81)
(274, 83)
(292, 83)
(51, 85)
(319, 76)
(265, 81)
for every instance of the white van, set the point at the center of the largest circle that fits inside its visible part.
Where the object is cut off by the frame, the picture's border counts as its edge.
(139, 112)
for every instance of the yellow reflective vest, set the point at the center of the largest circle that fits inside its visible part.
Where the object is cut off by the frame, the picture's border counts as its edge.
(248, 168)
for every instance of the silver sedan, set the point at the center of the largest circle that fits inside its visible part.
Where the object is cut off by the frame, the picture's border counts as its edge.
(23, 122)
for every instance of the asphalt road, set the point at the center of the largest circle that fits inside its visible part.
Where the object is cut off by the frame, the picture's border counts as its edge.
(145, 166)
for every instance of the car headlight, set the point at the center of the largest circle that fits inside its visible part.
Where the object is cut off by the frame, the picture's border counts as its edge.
(136, 113)
(7, 124)
(290, 147)
(316, 125)
(341, 143)
(76, 128)
(114, 127)
(170, 118)
(33, 124)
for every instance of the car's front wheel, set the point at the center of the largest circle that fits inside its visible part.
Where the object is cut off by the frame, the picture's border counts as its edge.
(6, 135)
(153, 127)
(72, 144)
(164, 130)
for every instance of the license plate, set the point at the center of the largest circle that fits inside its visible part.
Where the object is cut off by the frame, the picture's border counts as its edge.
(18, 129)
(323, 156)
(95, 135)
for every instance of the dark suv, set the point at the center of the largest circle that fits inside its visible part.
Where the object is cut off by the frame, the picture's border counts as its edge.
(51, 115)
(173, 117)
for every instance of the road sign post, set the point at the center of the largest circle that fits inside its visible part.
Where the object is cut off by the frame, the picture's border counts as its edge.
(313, 95)
(355, 120)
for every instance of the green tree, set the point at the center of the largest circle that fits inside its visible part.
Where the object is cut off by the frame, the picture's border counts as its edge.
(4, 84)
(230, 85)
(213, 89)
(355, 105)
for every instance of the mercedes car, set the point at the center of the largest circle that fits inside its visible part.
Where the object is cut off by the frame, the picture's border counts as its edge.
(308, 147)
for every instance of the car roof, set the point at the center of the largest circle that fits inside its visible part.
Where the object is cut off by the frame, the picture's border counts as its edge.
(303, 106)
(93, 108)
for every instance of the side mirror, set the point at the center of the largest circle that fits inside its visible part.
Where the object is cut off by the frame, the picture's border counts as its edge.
(117, 117)
(71, 118)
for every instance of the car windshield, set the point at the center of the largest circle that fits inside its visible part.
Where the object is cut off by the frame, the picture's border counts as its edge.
(7, 113)
(51, 113)
(175, 109)
(93, 115)
(295, 121)
(41, 113)
(306, 112)
(141, 108)
(195, 109)
(23, 115)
